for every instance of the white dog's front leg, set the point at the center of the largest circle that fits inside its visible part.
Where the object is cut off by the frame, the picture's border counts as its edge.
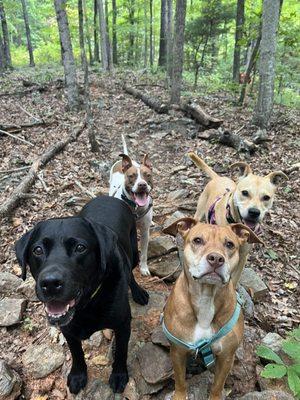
(144, 227)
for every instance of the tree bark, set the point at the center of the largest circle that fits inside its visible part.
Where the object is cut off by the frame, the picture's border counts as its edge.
(145, 34)
(5, 39)
(96, 32)
(108, 44)
(240, 18)
(151, 102)
(67, 53)
(28, 34)
(162, 59)
(81, 34)
(87, 32)
(178, 51)
(114, 32)
(103, 36)
(169, 36)
(151, 33)
(270, 20)
(2, 59)
(131, 32)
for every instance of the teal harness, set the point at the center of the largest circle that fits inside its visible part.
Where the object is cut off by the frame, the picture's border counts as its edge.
(203, 346)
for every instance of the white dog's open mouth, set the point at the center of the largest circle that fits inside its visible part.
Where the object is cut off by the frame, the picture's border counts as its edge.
(141, 198)
(59, 312)
(254, 226)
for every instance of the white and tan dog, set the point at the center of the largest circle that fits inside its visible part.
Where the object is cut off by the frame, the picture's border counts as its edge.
(224, 201)
(132, 183)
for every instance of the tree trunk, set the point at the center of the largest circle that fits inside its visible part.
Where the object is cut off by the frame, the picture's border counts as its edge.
(151, 33)
(103, 36)
(108, 45)
(264, 106)
(178, 51)
(28, 35)
(2, 59)
(96, 32)
(67, 54)
(162, 60)
(145, 34)
(81, 34)
(114, 33)
(131, 32)
(5, 39)
(169, 36)
(240, 18)
(87, 32)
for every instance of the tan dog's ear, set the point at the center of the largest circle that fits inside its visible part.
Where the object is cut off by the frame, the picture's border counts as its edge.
(182, 226)
(126, 162)
(243, 167)
(147, 162)
(245, 233)
(277, 177)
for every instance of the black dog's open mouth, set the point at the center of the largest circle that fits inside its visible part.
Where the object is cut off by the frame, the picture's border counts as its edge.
(59, 312)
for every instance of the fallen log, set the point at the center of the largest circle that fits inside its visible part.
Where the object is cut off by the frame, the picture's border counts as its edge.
(201, 116)
(229, 139)
(25, 185)
(12, 128)
(150, 101)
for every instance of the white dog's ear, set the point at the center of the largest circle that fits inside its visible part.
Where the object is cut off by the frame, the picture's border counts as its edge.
(244, 168)
(146, 161)
(181, 226)
(277, 177)
(126, 162)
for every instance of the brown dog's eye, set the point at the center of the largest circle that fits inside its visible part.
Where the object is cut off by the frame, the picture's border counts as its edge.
(80, 248)
(198, 241)
(38, 251)
(266, 198)
(245, 193)
(229, 245)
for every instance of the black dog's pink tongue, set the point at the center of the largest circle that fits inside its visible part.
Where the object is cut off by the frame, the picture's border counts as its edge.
(58, 307)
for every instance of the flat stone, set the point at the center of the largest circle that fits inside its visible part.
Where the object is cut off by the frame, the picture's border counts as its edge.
(160, 245)
(9, 283)
(267, 395)
(199, 385)
(95, 390)
(11, 311)
(158, 337)
(156, 302)
(168, 267)
(143, 387)
(273, 340)
(27, 289)
(41, 360)
(10, 382)
(250, 280)
(95, 340)
(155, 362)
(248, 305)
(177, 195)
(131, 391)
(172, 218)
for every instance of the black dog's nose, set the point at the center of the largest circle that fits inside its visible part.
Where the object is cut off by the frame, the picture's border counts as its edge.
(215, 260)
(253, 212)
(52, 283)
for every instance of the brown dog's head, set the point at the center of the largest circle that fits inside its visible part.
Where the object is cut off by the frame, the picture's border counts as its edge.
(254, 194)
(211, 252)
(138, 179)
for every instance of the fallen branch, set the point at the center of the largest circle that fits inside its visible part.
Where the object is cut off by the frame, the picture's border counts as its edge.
(292, 168)
(201, 116)
(19, 128)
(10, 171)
(16, 137)
(84, 190)
(25, 185)
(151, 102)
(28, 113)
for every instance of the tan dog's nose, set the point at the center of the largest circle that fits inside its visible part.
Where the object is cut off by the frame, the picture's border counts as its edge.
(215, 260)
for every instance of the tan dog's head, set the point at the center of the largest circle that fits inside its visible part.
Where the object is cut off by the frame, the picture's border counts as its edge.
(211, 252)
(254, 194)
(138, 179)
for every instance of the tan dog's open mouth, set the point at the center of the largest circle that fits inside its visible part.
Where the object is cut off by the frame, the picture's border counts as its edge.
(254, 226)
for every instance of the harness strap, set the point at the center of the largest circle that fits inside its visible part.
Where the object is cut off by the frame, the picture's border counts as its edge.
(135, 207)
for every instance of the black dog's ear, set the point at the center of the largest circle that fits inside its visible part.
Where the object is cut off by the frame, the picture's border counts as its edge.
(21, 248)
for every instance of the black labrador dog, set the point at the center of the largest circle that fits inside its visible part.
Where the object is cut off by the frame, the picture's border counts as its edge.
(82, 266)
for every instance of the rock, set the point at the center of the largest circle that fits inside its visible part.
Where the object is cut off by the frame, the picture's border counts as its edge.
(273, 340)
(267, 395)
(172, 218)
(177, 195)
(41, 360)
(11, 311)
(160, 245)
(130, 392)
(250, 280)
(156, 303)
(248, 305)
(27, 289)
(10, 382)
(95, 390)
(95, 340)
(199, 385)
(158, 337)
(143, 387)
(167, 266)
(155, 362)
(9, 283)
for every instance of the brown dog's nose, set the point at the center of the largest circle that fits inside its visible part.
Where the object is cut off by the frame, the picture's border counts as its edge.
(215, 260)
(142, 186)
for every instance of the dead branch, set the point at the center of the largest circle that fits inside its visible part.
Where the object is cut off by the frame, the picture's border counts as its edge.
(25, 185)
(10, 171)
(16, 137)
(29, 114)
(84, 190)
(18, 128)
(200, 115)
(292, 168)
(151, 102)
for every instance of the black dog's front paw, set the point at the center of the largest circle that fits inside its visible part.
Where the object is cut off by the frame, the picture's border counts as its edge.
(140, 296)
(118, 381)
(77, 381)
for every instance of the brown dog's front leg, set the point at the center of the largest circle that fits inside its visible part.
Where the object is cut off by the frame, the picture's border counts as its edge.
(223, 367)
(178, 356)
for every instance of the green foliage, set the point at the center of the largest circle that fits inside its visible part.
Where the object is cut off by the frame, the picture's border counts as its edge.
(280, 368)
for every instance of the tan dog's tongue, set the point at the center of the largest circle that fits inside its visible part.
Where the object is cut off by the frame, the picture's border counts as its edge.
(141, 199)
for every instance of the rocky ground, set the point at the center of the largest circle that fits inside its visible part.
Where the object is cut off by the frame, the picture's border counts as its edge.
(35, 359)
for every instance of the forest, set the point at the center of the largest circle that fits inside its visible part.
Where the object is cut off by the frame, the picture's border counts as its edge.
(160, 83)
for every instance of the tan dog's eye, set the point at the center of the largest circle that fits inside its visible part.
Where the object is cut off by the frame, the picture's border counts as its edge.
(245, 193)
(266, 198)
(198, 241)
(229, 245)
(38, 251)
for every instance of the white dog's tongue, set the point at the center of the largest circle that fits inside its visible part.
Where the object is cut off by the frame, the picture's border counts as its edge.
(141, 199)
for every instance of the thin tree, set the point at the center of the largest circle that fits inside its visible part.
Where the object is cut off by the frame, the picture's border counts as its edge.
(87, 32)
(240, 18)
(103, 37)
(145, 34)
(114, 32)
(162, 59)
(178, 53)
(131, 31)
(81, 34)
(151, 32)
(5, 39)
(108, 45)
(270, 20)
(28, 34)
(67, 54)
(96, 32)
(2, 58)
(169, 36)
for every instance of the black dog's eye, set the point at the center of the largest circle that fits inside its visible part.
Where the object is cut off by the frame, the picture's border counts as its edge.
(38, 251)
(80, 248)
(198, 241)
(245, 193)
(229, 245)
(266, 198)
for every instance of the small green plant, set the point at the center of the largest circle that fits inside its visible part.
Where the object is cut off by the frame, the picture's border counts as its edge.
(279, 368)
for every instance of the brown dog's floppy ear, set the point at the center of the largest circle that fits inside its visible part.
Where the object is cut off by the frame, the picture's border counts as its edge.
(146, 161)
(126, 162)
(245, 233)
(276, 177)
(243, 167)
(182, 226)
(21, 248)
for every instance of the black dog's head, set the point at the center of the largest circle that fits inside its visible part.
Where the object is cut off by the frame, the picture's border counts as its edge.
(67, 258)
